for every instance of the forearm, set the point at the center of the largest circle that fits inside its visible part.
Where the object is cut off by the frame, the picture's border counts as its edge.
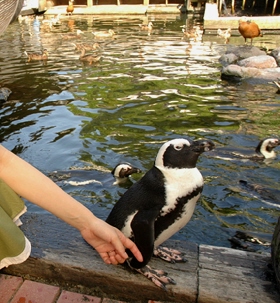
(34, 186)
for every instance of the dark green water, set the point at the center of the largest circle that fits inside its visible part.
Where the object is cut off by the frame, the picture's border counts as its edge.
(146, 90)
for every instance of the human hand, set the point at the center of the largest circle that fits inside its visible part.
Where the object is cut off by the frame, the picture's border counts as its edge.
(109, 242)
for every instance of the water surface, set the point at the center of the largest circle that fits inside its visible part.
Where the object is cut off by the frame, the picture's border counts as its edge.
(147, 89)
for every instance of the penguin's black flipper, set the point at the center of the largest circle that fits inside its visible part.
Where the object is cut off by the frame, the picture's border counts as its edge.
(144, 235)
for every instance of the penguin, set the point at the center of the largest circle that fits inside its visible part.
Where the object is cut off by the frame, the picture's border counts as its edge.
(263, 151)
(161, 203)
(266, 146)
(123, 171)
(4, 94)
(82, 177)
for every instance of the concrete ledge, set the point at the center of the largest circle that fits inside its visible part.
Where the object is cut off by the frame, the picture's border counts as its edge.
(115, 10)
(212, 274)
(213, 21)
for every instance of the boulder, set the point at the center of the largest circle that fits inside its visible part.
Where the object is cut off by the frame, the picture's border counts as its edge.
(276, 55)
(263, 61)
(242, 62)
(244, 51)
(237, 71)
(227, 59)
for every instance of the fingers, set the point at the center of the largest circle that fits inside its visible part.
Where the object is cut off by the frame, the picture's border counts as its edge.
(127, 243)
(133, 248)
(115, 257)
(112, 257)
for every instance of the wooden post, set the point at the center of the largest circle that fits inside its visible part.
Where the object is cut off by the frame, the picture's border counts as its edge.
(266, 3)
(233, 6)
(274, 6)
(220, 7)
(89, 3)
(146, 2)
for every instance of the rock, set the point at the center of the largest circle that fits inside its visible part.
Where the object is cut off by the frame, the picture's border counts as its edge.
(241, 62)
(237, 71)
(276, 54)
(262, 62)
(227, 59)
(245, 51)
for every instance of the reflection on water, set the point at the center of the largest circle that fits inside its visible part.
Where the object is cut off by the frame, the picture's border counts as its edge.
(65, 114)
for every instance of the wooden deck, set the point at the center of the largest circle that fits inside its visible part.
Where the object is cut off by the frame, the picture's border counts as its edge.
(211, 275)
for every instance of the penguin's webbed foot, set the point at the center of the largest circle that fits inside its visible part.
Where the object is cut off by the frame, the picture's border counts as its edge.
(169, 254)
(157, 276)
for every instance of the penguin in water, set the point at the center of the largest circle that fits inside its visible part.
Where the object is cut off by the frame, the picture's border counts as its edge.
(263, 151)
(161, 203)
(81, 177)
(123, 171)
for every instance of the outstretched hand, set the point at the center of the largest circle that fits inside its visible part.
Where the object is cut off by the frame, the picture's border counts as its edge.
(110, 242)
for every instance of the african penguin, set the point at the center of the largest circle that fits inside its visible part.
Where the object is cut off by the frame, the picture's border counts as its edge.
(263, 151)
(81, 177)
(161, 202)
(122, 171)
(266, 146)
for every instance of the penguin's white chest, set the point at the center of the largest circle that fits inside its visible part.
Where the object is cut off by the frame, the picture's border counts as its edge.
(179, 183)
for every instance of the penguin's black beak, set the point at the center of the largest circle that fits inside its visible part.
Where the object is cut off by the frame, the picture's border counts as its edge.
(201, 146)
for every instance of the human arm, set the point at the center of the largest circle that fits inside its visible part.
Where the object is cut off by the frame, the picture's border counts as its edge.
(34, 186)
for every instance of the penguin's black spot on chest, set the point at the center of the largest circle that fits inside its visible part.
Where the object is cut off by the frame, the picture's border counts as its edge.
(165, 220)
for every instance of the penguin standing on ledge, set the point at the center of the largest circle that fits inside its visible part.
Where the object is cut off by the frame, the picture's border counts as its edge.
(161, 203)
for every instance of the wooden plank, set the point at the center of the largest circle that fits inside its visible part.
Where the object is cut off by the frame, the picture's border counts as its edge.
(227, 275)
(60, 255)
(211, 274)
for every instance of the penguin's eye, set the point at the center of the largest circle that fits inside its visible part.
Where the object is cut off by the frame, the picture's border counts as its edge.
(178, 147)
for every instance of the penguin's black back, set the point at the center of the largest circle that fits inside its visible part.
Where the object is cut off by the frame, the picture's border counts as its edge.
(149, 187)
